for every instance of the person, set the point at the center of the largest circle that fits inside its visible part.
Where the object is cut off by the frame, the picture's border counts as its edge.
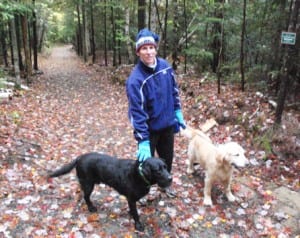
(154, 107)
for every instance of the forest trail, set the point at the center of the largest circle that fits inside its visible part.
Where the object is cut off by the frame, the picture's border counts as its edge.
(91, 109)
(73, 108)
(70, 110)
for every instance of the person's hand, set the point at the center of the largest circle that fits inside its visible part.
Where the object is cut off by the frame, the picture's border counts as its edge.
(144, 151)
(179, 117)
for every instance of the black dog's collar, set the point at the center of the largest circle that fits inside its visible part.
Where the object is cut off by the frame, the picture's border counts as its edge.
(143, 176)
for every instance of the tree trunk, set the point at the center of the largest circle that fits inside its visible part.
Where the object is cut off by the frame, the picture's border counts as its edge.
(149, 14)
(221, 52)
(41, 39)
(93, 48)
(11, 43)
(242, 47)
(3, 44)
(79, 30)
(28, 67)
(158, 18)
(216, 32)
(127, 34)
(185, 35)
(153, 18)
(105, 33)
(34, 39)
(165, 30)
(114, 43)
(14, 45)
(141, 14)
(19, 42)
(289, 67)
(84, 26)
(175, 40)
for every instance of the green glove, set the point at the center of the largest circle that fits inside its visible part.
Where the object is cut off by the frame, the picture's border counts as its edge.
(144, 151)
(179, 118)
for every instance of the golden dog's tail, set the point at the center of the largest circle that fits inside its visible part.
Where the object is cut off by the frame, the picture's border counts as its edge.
(190, 133)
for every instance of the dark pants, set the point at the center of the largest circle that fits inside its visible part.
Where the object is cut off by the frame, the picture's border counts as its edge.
(163, 142)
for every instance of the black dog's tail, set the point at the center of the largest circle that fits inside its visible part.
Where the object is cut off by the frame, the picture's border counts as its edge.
(64, 170)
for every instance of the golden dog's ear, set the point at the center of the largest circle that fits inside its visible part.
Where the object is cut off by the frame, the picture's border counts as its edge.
(222, 158)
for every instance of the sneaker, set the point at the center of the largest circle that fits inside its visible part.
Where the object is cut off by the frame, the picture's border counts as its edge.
(169, 192)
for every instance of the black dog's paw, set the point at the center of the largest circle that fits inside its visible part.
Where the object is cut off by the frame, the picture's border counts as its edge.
(139, 226)
(92, 208)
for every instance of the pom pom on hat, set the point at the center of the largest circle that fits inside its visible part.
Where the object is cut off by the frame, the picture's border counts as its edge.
(146, 37)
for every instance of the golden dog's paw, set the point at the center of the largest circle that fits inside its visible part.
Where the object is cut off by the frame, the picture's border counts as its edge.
(189, 171)
(207, 201)
(231, 197)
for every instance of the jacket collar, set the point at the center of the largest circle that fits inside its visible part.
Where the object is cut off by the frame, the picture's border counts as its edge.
(147, 68)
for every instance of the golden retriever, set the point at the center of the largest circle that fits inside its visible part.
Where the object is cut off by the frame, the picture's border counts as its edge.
(216, 160)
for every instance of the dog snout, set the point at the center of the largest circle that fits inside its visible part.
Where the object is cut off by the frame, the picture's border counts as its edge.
(240, 163)
(246, 161)
(165, 181)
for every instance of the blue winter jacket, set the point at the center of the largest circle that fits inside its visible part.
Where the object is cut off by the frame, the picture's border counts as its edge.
(153, 98)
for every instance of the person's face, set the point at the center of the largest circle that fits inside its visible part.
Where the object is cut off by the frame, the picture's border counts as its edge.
(147, 54)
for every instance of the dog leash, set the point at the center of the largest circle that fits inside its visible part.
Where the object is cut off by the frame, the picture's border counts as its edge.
(143, 176)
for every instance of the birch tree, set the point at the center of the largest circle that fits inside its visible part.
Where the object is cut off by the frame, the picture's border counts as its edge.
(127, 34)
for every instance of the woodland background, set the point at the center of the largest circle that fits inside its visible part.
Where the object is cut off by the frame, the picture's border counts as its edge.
(230, 40)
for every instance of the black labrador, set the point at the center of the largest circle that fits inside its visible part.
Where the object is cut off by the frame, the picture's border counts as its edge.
(129, 177)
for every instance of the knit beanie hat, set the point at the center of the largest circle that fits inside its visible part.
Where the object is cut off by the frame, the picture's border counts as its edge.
(146, 37)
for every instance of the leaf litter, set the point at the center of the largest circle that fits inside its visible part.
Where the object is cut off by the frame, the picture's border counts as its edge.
(74, 108)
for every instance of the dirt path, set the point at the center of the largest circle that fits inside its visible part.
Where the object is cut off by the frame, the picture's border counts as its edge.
(84, 101)
(72, 109)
